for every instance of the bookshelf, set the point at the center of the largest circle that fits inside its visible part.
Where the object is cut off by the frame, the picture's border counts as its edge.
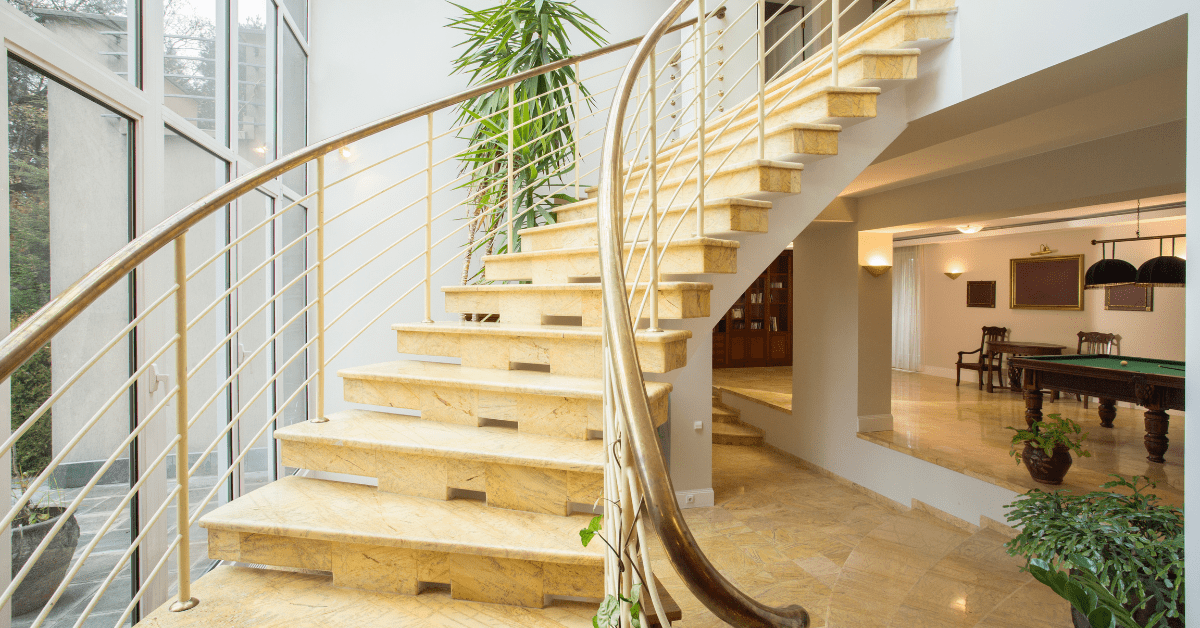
(757, 330)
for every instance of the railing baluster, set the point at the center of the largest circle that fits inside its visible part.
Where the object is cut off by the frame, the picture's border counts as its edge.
(652, 248)
(575, 95)
(837, 22)
(762, 79)
(185, 600)
(319, 415)
(512, 243)
(701, 85)
(429, 221)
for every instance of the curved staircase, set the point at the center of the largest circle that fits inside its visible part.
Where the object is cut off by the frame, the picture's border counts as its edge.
(485, 491)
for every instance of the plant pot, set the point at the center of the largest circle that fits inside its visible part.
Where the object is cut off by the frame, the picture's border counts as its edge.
(1047, 469)
(51, 566)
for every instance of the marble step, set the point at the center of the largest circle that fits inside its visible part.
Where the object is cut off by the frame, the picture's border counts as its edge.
(390, 543)
(725, 415)
(577, 223)
(243, 597)
(752, 177)
(684, 256)
(526, 304)
(736, 434)
(411, 456)
(568, 350)
(539, 403)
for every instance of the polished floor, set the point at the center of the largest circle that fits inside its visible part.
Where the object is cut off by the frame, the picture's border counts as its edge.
(787, 535)
(965, 429)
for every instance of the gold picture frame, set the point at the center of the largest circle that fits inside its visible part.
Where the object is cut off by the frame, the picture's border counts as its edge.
(1046, 283)
(1129, 297)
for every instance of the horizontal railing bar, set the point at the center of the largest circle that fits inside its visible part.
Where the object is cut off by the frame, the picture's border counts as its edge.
(374, 196)
(368, 168)
(379, 284)
(371, 229)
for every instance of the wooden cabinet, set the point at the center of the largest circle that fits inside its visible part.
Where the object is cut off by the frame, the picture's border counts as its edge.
(757, 330)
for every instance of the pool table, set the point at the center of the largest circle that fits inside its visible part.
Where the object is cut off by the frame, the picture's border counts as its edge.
(1156, 385)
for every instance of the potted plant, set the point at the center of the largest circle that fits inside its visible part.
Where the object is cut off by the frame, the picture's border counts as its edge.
(32, 524)
(1048, 447)
(1117, 557)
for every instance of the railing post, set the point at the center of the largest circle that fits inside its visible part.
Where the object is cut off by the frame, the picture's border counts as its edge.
(702, 85)
(836, 30)
(577, 134)
(762, 79)
(512, 105)
(652, 286)
(185, 600)
(319, 416)
(429, 220)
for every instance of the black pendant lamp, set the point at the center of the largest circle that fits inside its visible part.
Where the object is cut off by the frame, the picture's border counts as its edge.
(1166, 271)
(1109, 272)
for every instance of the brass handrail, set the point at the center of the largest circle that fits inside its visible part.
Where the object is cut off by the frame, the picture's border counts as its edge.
(624, 377)
(37, 330)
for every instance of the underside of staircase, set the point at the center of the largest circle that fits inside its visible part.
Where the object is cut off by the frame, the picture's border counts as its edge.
(477, 501)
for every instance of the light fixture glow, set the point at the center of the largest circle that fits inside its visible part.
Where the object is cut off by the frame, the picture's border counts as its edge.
(969, 228)
(261, 150)
(877, 259)
(345, 153)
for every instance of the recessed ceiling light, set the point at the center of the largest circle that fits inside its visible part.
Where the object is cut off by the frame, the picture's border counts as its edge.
(969, 228)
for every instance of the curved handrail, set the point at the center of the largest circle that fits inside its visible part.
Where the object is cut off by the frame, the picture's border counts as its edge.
(37, 330)
(702, 578)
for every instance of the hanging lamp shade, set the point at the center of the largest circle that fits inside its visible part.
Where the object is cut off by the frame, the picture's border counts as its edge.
(1165, 271)
(1108, 272)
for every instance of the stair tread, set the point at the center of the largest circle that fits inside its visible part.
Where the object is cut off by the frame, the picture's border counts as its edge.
(571, 287)
(342, 512)
(736, 429)
(535, 331)
(589, 202)
(718, 411)
(239, 597)
(456, 376)
(383, 431)
(679, 242)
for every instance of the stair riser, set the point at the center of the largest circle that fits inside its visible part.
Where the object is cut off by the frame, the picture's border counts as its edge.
(728, 182)
(577, 357)
(782, 144)
(839, 107)
(717, 219)
(721, 439)
(563, 417)
(529, 308)
(683, 259)
(532, 489)
(402, 570)
(911, 29)
(863, 71)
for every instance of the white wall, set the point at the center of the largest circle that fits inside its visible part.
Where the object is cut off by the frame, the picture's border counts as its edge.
(949, 326)
(1192, 437)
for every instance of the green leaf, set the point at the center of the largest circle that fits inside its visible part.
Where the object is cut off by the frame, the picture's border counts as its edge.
(587, 534)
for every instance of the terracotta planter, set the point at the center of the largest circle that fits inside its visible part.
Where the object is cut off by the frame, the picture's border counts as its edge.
(48, 572)
(1047, 469)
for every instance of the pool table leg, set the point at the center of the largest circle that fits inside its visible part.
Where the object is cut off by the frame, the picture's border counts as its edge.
(1157, 422)
(1033, 406)
(1107, 412)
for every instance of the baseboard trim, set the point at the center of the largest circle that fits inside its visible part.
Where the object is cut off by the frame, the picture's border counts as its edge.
(699, 498)
(875, 423)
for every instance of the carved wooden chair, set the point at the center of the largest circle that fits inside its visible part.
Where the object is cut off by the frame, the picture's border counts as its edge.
(1095, 343)
(986, 361)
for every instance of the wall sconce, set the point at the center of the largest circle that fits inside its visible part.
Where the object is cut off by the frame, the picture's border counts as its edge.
(953, 275)
(875, 252)
(954, 269)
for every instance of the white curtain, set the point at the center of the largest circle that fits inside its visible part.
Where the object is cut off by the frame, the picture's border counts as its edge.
(906, 308)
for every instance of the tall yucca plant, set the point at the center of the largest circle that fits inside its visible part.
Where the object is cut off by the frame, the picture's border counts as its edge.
(501, 41)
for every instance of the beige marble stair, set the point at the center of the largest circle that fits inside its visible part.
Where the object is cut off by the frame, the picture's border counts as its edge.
(384, 542)
(407, 455)
(577, 223)
(725, 415)
(736, 433)
(684, 256)
(526, 304)
(568, 350)
(537, 402)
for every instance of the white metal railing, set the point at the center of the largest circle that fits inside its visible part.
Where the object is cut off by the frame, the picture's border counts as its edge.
(649, 180)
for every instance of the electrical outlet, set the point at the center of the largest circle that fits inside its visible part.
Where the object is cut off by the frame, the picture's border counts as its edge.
(690, 499)
(698, 425)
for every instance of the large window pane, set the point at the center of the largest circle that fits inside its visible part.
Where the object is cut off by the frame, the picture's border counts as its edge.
(254, 81)
(190, 32)
(69, 209)
(292, 99)
(96, 29)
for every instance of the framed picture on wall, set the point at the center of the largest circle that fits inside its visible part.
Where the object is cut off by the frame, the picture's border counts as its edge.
(1129, 297)
(981, 294)
(1046, 283)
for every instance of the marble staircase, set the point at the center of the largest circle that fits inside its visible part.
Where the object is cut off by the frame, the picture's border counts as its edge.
(727, 425)
(486, 488)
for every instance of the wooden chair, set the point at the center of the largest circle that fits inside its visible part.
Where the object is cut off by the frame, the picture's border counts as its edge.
(1095, 343)
(986, 360)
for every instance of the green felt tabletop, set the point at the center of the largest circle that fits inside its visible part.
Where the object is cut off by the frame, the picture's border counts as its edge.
(1137, 365)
